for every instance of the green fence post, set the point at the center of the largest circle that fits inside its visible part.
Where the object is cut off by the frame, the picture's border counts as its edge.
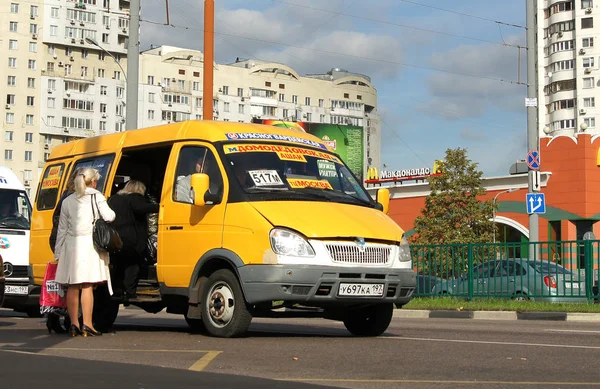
(470, 271)
(589, 269)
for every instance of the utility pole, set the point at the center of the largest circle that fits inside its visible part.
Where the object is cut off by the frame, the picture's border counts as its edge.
(532, 125)
(133, 66)
(209, 55)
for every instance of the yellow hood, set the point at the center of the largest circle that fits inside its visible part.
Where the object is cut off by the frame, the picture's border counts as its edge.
(330, 220)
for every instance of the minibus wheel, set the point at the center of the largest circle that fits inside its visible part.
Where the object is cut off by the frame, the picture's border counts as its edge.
(371, 320)
(224, 310)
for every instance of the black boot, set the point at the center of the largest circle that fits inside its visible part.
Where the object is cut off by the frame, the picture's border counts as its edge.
(53, 324)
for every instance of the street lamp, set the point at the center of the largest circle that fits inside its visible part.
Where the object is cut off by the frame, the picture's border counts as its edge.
(93, 42)
(494, 207)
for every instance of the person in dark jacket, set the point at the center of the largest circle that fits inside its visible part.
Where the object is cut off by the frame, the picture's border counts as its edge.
(131, 207)
(53, 318)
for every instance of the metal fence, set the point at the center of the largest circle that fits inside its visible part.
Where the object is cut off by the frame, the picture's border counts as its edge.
(558, 271)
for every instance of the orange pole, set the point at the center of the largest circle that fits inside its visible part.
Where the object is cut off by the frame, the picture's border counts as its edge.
(209, 55)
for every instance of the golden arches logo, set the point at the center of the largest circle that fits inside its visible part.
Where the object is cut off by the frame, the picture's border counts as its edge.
(437, 167)
(372, 173)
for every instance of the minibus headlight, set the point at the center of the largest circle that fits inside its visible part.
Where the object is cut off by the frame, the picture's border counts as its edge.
(286, 242)
(404, 251)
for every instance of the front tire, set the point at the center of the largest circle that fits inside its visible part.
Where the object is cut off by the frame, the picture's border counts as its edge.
(372, 320)
(224, 310)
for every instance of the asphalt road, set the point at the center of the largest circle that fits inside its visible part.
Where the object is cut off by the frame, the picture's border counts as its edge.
(148, 351)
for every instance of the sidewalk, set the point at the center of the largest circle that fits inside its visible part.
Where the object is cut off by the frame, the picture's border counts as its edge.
(496, 315)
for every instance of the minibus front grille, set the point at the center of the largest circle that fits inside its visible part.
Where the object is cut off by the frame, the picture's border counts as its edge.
(350, 252)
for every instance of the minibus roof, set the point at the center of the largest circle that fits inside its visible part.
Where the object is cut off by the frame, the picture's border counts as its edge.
(211, 131)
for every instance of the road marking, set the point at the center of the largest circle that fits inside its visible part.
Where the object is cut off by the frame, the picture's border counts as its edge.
(475, 382)
(204, 361)
(576, 331)
(12, 347)
(496, 343)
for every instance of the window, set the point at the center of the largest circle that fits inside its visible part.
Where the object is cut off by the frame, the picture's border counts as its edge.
(103, 90)
(267, 83)
(181, 84)
(8, 155)
(13, 27)
(33, 11)
(281, 86)
(240, 108)
(29, 135)
(588, 62)
(120, 92)
(12, 80)
(307, 101)
(309, 117)
(226, 107)
(117, 75)
(321, 103)
(46, 156)
(69, 51)
(52, 84)
(346, 95)
(196, 74)
(51, 102)
(591, 122)
(119, 110)
(151, 114)
(285, 114)
(196, 160)
(50, 66)
(588, 82)
(10, 118)
(225, 90)
(196, 86)
(12, 44)
(101, 73)
(10, 99)
(102, 108)
(198, 102)
(14, 8)
(30, 82)
(84, 71)
(28, 156)
(587, 42)
(51, 179)
(358, 97)
(54, 12)
(101, 56)
(105, 38)
(31, 64)
(85, 53)
(589, 102)
(33, 28)
(281, 97)
(150, 80)
(12, 63)
(102, 126)
(49, 122)
(587, 3)
(322, 118)
(53, 30)
(182, 72)
(587, 23)
(27, 174)
(294, 99)
(30, 101)
(8, 136)
(68, 70)
(240, 92)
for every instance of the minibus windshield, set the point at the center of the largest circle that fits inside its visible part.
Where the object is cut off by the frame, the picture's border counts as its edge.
(15, 209)
(281, 172)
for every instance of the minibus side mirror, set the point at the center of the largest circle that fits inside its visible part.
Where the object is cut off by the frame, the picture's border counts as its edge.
(200, 184)
(383, 198)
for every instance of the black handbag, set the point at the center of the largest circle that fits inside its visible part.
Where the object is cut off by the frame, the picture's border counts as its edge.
(105, 237)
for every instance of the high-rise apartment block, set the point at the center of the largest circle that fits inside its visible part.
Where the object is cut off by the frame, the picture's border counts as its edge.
(568, 63)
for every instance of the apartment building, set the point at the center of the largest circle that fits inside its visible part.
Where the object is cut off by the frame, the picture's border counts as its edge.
(253, 90)
(65, 76)
(568, 66)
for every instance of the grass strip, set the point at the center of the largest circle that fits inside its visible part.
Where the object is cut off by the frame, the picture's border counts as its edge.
(491, 304)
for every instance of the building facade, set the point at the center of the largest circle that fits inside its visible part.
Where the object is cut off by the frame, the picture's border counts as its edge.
(64, 78)
(567, 66)
(257, 91)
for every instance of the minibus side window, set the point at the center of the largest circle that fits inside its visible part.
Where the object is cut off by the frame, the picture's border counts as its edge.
(48, 195)
(101, 163)
(195, 159)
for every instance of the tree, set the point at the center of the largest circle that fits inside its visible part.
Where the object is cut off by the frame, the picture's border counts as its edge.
(453, 213)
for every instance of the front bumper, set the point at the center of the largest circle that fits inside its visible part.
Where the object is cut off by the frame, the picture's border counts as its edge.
(19, 291)
(319, 285)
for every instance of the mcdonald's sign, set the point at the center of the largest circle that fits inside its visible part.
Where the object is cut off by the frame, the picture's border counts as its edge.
(376, 177)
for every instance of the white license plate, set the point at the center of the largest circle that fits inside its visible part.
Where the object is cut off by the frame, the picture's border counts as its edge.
(361, 290)
(573, 285)
(14, 289)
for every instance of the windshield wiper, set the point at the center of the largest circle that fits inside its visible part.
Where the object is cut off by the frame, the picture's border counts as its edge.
(13, 225)
(287, 191)
(341, 194)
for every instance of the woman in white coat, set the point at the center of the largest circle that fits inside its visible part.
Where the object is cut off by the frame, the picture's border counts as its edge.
(80, 264)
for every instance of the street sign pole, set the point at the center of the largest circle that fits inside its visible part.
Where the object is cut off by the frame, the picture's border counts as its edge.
(532, 128)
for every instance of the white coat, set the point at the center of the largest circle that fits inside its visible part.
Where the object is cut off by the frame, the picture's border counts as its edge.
(78, 259)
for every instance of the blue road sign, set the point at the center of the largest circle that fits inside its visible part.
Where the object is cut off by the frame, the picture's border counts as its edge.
(536, 203)
(533, 160)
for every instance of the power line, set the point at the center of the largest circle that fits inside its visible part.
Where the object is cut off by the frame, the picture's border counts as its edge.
(342, 54)
(397, 24)
(464, 14)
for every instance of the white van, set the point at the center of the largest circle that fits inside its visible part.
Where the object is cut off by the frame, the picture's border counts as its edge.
(15, 218)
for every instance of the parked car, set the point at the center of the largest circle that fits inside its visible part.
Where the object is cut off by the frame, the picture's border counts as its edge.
(2, 281)
(519, 279)
(426, 283)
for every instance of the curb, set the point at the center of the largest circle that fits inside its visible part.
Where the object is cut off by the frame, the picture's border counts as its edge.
(496, 315)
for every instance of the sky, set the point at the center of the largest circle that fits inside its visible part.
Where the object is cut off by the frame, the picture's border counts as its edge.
(437, 73)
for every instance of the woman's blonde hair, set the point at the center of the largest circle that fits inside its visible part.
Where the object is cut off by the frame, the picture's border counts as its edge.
(133, 186)
(83, 178)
